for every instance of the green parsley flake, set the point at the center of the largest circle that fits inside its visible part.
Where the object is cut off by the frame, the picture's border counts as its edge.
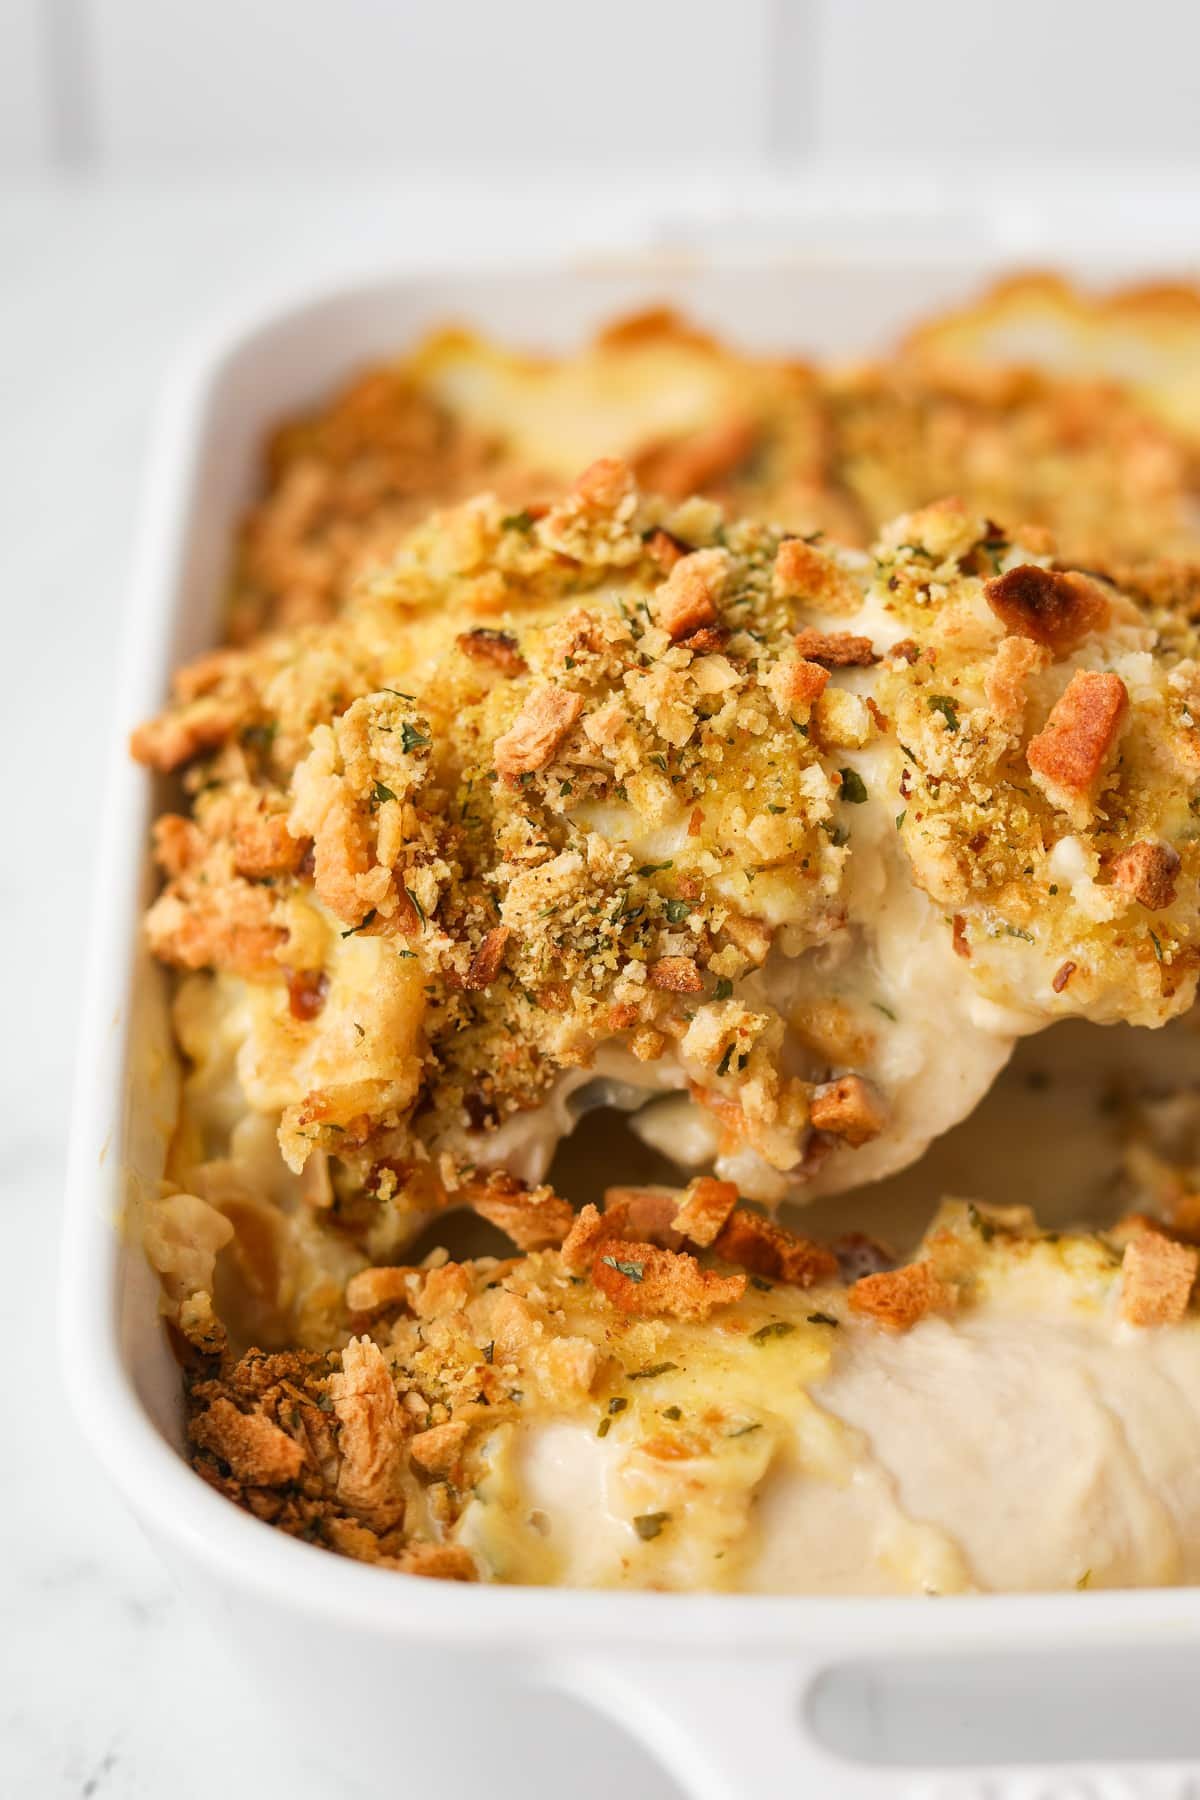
(943, 704)
(633, 1270)
(778, 1328)
(412, 739)
(853, 788)
(365, 922)
(648, 1525)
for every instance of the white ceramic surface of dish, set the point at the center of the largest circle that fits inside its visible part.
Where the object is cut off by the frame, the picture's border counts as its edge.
(1053, 1695)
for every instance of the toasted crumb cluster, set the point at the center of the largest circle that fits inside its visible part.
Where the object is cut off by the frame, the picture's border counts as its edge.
(433, 887)
(1047, 757)
(449, 878)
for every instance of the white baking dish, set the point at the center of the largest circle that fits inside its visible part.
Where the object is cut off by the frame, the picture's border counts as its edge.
(832, 1697)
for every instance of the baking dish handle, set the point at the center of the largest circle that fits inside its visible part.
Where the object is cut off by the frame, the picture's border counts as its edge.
(740, 1729)
(724, 1731)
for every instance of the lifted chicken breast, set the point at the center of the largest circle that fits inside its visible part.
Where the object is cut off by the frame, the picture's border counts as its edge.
(624, 800)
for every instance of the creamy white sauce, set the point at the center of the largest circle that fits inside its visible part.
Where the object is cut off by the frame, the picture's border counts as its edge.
(1002, 1451)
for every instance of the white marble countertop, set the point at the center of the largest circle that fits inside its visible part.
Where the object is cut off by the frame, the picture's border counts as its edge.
(111, 1688)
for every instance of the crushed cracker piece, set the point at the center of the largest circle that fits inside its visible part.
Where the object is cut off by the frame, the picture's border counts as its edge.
(641, 1279)
(498, 649)
(579, 1246)
(835, 649)
(487, 960)
(1008, 674)
(848, 1108)
(676, 975)
(256, 1450)
(438, 1449)
(439, 1562)
(704, 1207)
(1070, 755)
(534, 1218)
(898, 1298)
(372, 1435)
(1055, 608)
(374, 1290)
(1147, 871)
(687, 599)
(802, 572)
(1158, 1276)
(547, 717)
(769, 1249)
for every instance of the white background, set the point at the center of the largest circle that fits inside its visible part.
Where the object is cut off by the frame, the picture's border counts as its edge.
(160, 159)
(116, 84)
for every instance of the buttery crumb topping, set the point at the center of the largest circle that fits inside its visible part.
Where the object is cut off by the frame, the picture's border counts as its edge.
(586, 789)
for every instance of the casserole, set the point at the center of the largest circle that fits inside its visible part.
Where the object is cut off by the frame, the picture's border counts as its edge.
(731, 1691)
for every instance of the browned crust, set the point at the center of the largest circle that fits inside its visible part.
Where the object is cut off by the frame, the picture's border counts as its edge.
(604, 483)
(579, 1246)
(848, 1108)
(692, 464)
(898, 1298)
(256, 1451)
(687, 599)
(546, 718)
(168, 742)
(439, 1562)
(643, 1281)
(534, 1218)
(487, 960)
(438, 1449)
(704, 1206)
(665, 549)
(375, 1290)
(1054, 608)
(372, 1436)
(1147, 872)
(497, 649)
(646, 1213)
(676, 975)
(1158, 1278)
(836, 649)
(768, 1249)
(1071, 752)
(803, 682)
(802, 572)
(1006, 682)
